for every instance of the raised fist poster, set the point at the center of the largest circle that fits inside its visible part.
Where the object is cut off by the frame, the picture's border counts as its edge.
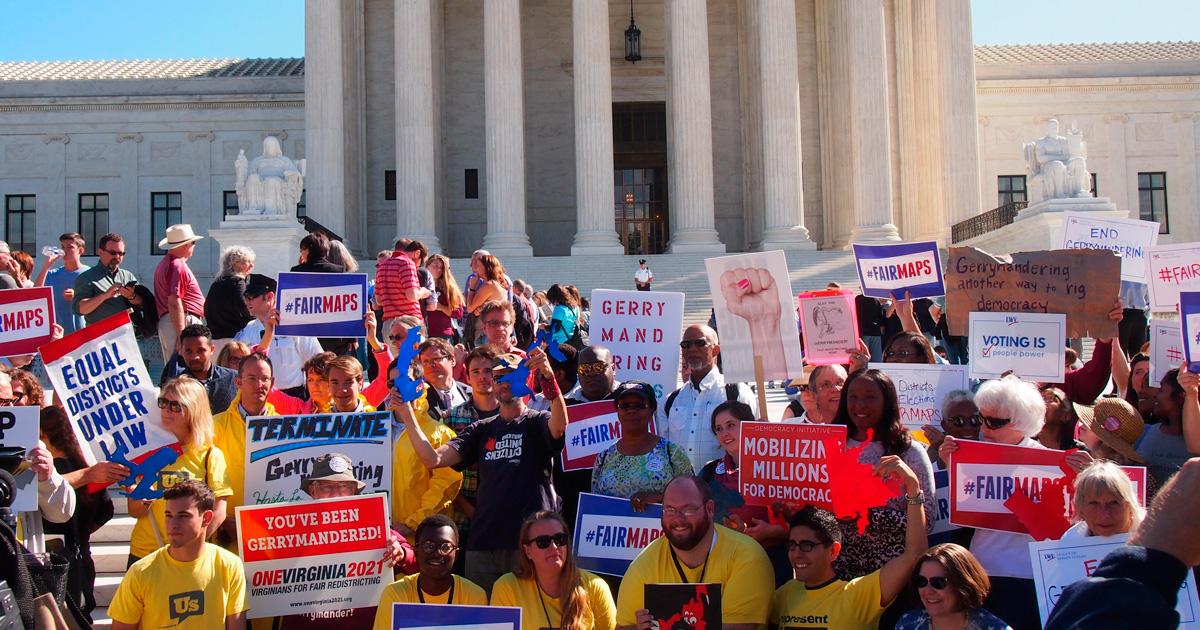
(752, 296)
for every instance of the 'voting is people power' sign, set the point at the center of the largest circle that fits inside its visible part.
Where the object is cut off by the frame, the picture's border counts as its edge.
(891, 270)
(1031, 345)
(322, 304)
(26, 320)
(609, 534)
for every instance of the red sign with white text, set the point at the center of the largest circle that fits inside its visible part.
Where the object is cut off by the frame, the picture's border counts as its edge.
(26, 320)
(591, 429)
(788, 462)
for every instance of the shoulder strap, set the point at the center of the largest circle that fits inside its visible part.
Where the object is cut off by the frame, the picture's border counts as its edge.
(731, 391)
(670, 401)
(207, 454)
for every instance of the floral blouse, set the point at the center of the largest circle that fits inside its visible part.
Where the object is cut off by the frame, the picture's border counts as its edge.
(618, 475)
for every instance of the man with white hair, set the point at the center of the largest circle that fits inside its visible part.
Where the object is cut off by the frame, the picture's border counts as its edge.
(8, 268)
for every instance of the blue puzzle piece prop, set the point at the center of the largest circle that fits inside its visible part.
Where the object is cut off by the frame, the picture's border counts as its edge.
(145, 474)
(408, 387)
(518, 380)
(544, 337)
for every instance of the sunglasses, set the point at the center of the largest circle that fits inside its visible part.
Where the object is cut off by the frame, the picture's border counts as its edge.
(961, 421)
(940, 582)
(543, 542)
(592, 369)
(443, 548)
(173, 406)
(633, 407)
(698, 343)
(995, 423)
(805, 546)
(902, 354)
(112, 253)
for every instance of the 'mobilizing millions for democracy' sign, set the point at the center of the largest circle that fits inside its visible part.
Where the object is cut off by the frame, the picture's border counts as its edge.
(609, 534)
(1130, 238)
(26, 320)
(322, 304)
(887, 271)
(642, 330)
(1031, 345)
(787, 462)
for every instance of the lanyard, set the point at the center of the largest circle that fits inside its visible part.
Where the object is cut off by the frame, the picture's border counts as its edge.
(542, 599)
(421, 593)
(703, 568)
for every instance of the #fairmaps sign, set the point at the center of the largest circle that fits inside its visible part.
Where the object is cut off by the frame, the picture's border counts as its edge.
(321, 304)
(609, 534)
(26, 320)
(888, 271)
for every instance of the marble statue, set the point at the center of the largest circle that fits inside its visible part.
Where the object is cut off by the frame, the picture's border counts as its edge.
(271, 183)
(1057, 166)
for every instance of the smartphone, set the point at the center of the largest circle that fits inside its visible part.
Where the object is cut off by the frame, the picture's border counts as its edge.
(131, 284)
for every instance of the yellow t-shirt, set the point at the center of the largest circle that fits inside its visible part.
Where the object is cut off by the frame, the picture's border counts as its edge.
(404, 591)
(229, 430)
(189, 465)
(418, 492)
(525, 593)
(737, 562)
(160, 592)
(835, 606)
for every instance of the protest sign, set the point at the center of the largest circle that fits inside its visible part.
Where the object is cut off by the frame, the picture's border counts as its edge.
(1130, 238)
(1083, 283)
(1189, 314)
(752, 297)
(788, 462)
(591, 429)
(443, 616)
(321, 304)
(280, 450)
(1171, 269)
(921, 389)
(830, 325)
(642, 329)
(888, 271)
(1166, 349)
(984, 475)
(1031, 345)
(310, 556)
(609, 534)
(1059, 563)
(26, 320)
(941, 514)
(98, 374)
(684, 605)
(19, 430)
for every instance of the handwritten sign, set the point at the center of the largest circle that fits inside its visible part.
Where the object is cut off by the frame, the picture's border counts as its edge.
(1189, 313)
(1129, 238)
(752, 298)
(19, 429)
(1083, 283)
(456, 617)
(1166, 349)
(1032, 345)
(322, 304)
(280, 450)
(1058, 564)
(887, 271)
(310, 556)
(1171, 269)
(642, 329)
(591, 429)
(26, 320)
(830, 325)
(788, 462)
(921, 389)
(609, 534)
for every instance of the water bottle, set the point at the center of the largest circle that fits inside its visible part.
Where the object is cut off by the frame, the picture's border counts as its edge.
(50, 250)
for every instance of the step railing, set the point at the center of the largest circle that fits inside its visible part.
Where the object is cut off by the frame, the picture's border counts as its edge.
(993, 219)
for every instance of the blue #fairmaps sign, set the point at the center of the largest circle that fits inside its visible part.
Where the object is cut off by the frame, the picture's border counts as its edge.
(322, 304)
(422, 616)
(889, 270)
(609, 534)
(1189, 314)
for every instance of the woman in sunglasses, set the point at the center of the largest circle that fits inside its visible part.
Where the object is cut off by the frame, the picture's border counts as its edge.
(951, 586)
(960, 419)
(639, 466)
(183, 404)
(550, 590)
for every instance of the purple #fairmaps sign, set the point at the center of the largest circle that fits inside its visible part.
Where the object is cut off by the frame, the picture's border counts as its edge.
(887, 271)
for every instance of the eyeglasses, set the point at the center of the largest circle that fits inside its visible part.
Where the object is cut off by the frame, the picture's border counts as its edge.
(4, 402)
(698, 343)
(112, 253)
(686, 512)
(434, 360)
(498, 323)
(805, 545)
(939, 582)
(396, 337)
(901, 354)
(633, 407)
(592, 369)
(995, 423)
(174, 406)
(443, 548)
(543, 542)
(960, 421)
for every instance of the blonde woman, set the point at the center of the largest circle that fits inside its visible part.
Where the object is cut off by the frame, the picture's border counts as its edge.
(1105, 504)
(449, 303)
(185, 414)
(550, 590)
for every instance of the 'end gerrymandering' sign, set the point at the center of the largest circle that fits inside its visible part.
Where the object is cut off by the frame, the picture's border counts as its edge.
(1031, 345)
(921, 389)
(609, 534)
(26, 320)
(887, 271)
(1189, 315)
(321, 304)
(787, 462)
(1130, 238)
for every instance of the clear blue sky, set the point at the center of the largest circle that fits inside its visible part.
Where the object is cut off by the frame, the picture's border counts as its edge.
(175, 29)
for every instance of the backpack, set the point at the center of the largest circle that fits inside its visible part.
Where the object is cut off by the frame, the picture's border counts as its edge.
(523, 326)
(731, 393)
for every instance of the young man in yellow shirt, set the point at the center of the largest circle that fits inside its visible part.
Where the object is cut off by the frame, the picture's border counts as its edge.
(437, 549)
(255, 378)
(188, 583)
(345, 376)
(816, 598)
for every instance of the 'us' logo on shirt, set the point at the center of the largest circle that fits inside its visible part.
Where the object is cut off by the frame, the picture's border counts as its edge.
(184, 605)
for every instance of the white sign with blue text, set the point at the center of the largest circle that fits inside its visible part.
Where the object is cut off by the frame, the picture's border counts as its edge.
(19, 429)
(921, 388)
(887, 271)
(642, 330)
(1166, 349)
(321, 304)
(1030, 345)
(609, 534)
(1130, 238)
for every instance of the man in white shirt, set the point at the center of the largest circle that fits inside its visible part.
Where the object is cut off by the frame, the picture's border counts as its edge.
(643, 276)
(288, 354)
(686, 417)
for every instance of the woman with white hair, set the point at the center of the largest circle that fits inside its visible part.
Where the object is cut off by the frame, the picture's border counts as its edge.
(1105, 503)
(225, 305)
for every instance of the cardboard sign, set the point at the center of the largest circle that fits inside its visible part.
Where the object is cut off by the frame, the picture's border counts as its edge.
(1129, 238)
(311, 556)
(887, 271)
(1166, 349)
(1083, 283)
(830, 324)
(442, 616)
(752, 297)
(642, 329)
(1059, 563)
(321, 304)
(788, 462)
(1032, 345)
(26, 320)
(1171, 269)
(609, 534)
(984, 475)
(280, 451)
(921, 389)
(684, 605)
(1189, 314)
(98, 374)
(19, 429)
(591, 429)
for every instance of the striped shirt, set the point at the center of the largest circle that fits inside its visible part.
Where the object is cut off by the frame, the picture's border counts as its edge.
(395, 277)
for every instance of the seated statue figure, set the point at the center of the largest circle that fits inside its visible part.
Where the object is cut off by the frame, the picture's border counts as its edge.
(1057, 166)
(270, 184)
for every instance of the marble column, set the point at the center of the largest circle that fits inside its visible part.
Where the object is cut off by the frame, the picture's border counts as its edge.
(324, 115)
(867, 135)
(595, 231)
(415, 181)
(504, 129)
(933, 215)
(960, 130)
(779, 85)
(689, 124)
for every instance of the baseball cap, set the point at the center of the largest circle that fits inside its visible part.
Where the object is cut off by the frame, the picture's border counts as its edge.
(259, 284)
(640, 388)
